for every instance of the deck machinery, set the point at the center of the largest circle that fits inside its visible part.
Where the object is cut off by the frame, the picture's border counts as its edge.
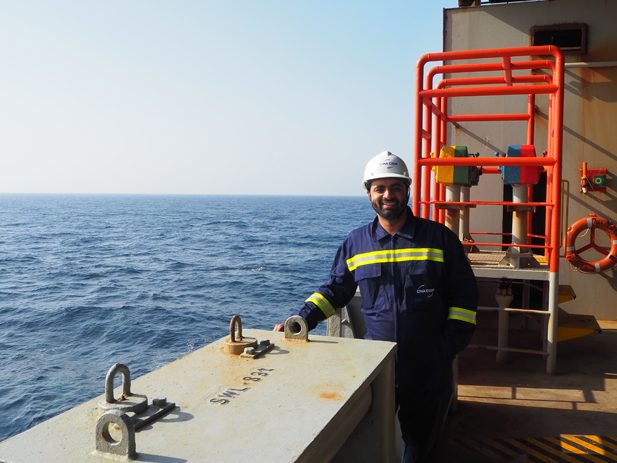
(518, 261)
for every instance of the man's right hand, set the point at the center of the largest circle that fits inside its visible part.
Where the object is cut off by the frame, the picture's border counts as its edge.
(279, 327)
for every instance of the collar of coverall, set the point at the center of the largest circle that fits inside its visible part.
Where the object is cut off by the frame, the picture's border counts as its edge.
(407, 231)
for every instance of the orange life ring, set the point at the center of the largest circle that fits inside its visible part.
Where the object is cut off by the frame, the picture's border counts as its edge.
(591, 223)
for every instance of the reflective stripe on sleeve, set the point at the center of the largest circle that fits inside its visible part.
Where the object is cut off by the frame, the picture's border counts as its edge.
(324, 304)
(394, 255)
(464, 315)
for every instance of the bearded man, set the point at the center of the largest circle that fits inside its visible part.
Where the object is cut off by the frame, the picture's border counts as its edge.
(417, 290)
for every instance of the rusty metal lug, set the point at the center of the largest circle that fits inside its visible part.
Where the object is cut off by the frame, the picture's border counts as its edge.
(236, 344)
(107, 440)
(128, 401)
(296, 329)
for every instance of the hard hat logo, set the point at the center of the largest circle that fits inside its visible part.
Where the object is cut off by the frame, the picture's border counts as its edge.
(386, 165)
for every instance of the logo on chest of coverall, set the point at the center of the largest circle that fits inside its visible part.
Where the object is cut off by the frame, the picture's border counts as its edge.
(426, 292)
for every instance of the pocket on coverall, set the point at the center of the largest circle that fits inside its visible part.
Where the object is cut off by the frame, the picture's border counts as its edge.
(367, 277)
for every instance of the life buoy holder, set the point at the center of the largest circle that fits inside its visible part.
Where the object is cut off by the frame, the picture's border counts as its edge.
(591, 223)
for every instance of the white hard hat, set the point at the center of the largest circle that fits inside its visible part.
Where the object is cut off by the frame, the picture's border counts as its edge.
(386, 165)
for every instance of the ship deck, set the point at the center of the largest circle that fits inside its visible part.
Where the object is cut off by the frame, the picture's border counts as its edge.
(515, 412)
(494, 264)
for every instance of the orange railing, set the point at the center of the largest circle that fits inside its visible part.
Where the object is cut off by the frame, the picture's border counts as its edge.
(533, 77)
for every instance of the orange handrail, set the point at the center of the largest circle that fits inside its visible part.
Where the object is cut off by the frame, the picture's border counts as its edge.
(432, 119)
(486, 161)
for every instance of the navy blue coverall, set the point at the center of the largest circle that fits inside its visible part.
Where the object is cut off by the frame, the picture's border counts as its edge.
(418, 290)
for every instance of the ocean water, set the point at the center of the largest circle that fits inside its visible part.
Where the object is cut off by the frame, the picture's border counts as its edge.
(88, 281)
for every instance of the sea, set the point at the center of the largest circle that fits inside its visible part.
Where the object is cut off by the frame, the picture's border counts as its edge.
(88, 281)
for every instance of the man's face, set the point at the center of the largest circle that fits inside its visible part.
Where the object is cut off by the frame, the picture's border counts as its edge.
(388, 196)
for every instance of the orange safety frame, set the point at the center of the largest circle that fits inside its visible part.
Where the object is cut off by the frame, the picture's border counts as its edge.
(432, 118)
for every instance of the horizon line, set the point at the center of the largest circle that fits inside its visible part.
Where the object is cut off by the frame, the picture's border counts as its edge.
(8, 193)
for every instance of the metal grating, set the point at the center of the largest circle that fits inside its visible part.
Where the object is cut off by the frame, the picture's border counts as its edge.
(494, 259)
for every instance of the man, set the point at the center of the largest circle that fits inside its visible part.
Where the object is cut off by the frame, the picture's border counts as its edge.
(417, 289)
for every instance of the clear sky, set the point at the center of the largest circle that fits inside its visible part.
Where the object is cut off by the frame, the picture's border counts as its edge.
(207, 97)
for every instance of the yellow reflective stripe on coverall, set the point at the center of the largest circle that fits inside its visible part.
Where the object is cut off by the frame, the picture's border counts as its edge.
(464, 315)
(324, 304)
(394, 255)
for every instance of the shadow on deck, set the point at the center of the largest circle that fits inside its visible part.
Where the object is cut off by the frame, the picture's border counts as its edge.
(515, 412)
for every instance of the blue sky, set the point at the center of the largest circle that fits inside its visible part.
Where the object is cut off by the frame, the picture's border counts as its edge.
(207, 97)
